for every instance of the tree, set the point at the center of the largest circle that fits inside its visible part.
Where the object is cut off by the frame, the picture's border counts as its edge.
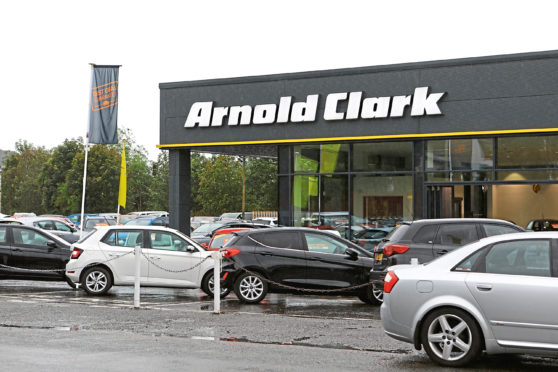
(220, 186)
(160, 184)
(53, 177)
(261, 184)
(103, 172)
(20, 179)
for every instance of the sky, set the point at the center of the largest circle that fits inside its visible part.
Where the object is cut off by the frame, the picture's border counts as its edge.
(46, 48)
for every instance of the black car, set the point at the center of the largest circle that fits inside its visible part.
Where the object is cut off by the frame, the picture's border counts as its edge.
(203, 234)
(425, 240)
(32, 254)
(544, 224)
(294, 260)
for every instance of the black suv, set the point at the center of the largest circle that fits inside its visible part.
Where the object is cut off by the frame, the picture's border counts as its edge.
(428, 239)
(295, 260)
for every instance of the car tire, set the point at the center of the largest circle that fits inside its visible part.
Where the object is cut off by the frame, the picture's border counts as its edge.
(250, 288)
(207, 286)
(451, 337)
(96, 281)
(372, 295)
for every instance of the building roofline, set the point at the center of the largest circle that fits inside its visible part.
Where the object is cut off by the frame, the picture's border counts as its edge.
(365, 70)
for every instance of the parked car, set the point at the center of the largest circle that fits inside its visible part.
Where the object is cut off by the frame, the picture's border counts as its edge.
(76, 217)
(262, 261)
(272, 221)
(151, 213)
(427, 239)
(32, 254)
(204, 233)
(105, 258)
(24, 214)
(93, 221)
(370, 238)
(197, 221)
(496, 295)
(148, 221)
(10, 220)
(54, 226)
(222, 237)
(544, 224)
(235, 216)
(124, 218)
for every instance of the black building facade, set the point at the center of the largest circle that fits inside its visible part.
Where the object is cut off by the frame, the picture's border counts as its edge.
(474, 137)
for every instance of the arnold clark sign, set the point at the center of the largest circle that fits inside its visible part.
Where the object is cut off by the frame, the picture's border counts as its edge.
(338, 106)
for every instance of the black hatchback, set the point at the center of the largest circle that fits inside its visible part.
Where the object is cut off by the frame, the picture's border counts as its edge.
(424, 240)
(299, 260)
(32, 254)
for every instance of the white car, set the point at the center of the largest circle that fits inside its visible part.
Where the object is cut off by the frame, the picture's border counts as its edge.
(105, 257)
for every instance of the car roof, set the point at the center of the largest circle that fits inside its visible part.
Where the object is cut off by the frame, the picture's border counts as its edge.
(457, 220)
(231, 229)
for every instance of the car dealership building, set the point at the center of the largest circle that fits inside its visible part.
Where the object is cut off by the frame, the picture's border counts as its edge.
(475, 137)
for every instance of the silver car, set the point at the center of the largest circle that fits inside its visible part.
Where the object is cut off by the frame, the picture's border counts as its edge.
(499, 295)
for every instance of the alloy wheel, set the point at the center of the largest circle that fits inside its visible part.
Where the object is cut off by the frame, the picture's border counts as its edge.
(449, 337)
(211, 285)
(378, 293)
(96, 281)
(251, 287)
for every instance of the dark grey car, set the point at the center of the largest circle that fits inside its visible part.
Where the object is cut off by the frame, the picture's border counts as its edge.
(425, 240)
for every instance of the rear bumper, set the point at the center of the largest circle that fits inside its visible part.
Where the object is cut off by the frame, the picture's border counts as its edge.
(377, 277)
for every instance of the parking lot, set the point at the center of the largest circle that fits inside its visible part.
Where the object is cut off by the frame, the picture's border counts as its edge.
(48, 326)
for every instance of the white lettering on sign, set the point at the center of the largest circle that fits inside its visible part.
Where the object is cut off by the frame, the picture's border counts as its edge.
(338, 106)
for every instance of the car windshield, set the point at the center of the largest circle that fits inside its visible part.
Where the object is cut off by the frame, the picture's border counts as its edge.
(220, 240)
(398, 232)
(229, 215)
(208, 227)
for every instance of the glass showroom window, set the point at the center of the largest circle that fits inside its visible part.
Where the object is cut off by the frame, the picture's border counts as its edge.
(305, 199)
(325, 158)
(533, 158)
(381, 201)
(382, 157)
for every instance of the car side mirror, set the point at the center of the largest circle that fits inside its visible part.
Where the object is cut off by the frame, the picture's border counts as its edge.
(73, 229)
(51, 244)
(190, 249)
(353, 254)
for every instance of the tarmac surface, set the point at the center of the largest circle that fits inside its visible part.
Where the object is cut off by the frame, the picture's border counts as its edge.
(48, 326)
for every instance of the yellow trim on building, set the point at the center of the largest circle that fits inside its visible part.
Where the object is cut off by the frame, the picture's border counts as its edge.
(389, 136)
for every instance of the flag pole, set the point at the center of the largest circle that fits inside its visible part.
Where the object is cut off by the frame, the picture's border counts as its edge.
(86, 145)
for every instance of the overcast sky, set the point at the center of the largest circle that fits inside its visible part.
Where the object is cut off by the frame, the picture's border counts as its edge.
(47, 46)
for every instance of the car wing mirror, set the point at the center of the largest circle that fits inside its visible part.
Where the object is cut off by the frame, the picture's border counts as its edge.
(190, 249)
(353, 254)
(51, 244)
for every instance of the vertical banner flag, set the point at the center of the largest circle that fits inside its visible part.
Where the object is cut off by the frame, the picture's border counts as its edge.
(123, 175)
(104, 105)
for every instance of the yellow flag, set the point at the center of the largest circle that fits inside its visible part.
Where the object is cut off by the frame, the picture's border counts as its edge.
(122, 188)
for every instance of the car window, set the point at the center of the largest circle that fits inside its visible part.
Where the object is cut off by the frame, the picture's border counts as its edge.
(523, 257)
(61, 226)
(220, 240)
(468, 263)
(426, 234)
(167, 241)
(278, 239)
(398, 232)
(3, 234)
(124, 238)
(457, 234)
(45, 225)
(29, 237)
(324, 244)
(492, 229)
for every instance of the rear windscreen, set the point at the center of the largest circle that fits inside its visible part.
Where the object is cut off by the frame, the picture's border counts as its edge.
(398, 232)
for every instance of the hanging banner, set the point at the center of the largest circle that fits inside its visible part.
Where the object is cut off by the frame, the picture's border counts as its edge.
(104, 105)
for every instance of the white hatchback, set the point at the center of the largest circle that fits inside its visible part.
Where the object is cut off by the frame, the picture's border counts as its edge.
(105, 257)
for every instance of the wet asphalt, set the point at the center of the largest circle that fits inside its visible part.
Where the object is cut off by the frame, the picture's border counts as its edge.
(48, 326)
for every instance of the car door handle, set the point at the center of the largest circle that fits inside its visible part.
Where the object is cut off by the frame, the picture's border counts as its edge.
(265, 253)
(484, 287)
(17, 250)
(155, 258)
(442, 252)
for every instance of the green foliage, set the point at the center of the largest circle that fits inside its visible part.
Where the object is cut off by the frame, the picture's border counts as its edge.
(51, 181)
(20, 179)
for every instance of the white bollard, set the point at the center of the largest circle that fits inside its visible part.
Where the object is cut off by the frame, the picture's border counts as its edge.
(137, 252)
(216, 282)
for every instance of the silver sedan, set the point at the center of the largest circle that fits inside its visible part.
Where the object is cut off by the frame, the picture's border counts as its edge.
(499, 295)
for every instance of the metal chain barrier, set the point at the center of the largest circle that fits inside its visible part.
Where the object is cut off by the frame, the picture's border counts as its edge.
(110, 259)
(309, 290)
(64, 269)
(175, 271)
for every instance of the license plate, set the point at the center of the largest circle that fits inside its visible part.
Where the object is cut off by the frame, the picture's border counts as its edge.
(379, 256)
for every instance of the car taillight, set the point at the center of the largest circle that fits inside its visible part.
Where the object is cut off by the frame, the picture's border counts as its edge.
(229, 252)
(76, 253)
(362, 243)
(389, 281)
(395, 248)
